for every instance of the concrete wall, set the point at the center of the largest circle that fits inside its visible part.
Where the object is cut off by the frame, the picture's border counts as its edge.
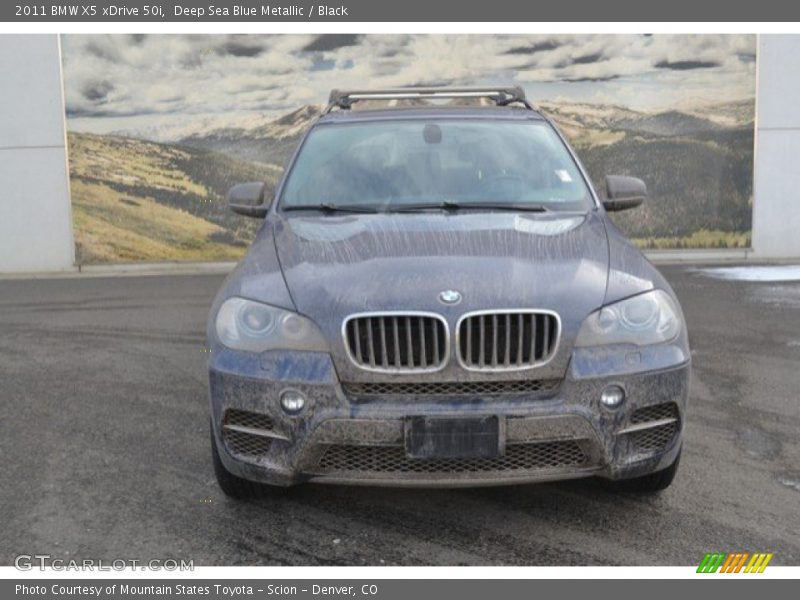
(776, 184)
(35, 219)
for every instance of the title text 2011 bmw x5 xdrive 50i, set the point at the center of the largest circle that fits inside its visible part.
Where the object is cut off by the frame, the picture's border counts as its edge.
(437, 297)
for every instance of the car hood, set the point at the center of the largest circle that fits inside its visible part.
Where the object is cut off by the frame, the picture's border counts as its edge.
(337, 265)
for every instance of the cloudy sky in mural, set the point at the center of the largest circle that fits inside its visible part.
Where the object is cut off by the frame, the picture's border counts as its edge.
(166, 86)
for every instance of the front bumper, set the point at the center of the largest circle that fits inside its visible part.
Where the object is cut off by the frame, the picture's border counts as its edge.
(560, 433)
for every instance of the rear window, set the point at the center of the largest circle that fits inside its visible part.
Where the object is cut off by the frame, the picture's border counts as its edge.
(386, 164)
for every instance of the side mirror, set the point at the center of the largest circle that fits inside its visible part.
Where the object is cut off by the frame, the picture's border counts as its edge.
(623, 193)
(248, 199)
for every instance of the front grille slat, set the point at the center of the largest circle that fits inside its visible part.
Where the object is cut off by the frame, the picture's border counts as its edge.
(395, 332)
(469, 339)
(384, 354)
(506, 340)
(423, 349)
(396, 342)
(409, 343)
(494, 339)
(435, 342)
(357, 337)
(507, 355)
(482, 345)
(370, 344)
(545, 332)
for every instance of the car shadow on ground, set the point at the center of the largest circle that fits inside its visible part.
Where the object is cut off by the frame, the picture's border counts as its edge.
(531, 524)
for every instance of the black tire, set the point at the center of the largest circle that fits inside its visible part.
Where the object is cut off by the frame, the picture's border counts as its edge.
(232, 485)
(649, 484)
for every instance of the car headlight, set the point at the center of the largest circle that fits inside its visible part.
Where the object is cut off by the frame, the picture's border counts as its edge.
(648, 318)
(255, 327)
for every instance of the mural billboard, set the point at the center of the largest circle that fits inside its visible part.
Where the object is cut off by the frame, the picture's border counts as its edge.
(160, 126)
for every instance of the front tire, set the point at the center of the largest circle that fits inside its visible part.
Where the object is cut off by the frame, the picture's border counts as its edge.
(651, 483)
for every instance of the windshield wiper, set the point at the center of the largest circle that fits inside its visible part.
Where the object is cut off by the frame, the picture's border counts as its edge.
(452, 205)
(328, 207)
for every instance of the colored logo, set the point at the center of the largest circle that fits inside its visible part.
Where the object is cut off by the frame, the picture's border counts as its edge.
(734, 562)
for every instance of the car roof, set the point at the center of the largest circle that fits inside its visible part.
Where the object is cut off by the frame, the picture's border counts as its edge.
(405, 113)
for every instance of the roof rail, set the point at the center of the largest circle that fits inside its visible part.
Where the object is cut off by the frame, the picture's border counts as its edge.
(501, 95)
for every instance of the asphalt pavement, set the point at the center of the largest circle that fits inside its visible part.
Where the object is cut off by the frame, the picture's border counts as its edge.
(105, 451)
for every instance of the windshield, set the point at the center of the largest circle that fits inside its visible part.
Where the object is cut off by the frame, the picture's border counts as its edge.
(387, 165)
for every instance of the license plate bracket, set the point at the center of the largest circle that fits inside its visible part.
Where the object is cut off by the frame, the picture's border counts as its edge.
(446, 437)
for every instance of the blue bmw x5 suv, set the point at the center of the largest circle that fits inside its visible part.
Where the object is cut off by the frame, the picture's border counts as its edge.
(437, 297)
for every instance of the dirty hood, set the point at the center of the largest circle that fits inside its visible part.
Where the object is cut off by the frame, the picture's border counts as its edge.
(338, 265)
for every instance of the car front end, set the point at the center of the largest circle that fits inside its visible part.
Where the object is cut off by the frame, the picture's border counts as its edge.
(441, 347)
(356, 434)
(578, 386)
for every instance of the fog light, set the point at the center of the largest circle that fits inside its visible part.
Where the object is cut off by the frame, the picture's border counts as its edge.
(612, 396)
(292, 401)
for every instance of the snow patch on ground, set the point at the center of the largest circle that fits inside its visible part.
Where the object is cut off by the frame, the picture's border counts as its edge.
(755, 273)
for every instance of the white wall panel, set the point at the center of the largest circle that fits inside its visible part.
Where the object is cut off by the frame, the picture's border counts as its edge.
(776, 182)
(35, 216)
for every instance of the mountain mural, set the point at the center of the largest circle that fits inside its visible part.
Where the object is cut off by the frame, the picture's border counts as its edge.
(697, 165)
(136, 199)
(272, 143)
(160, 125)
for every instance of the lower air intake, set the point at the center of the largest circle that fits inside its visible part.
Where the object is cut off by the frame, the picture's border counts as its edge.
(650, 440)
(244, 433)
(654, 439)
(451, 388)
(656, 412)
(393, 459)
